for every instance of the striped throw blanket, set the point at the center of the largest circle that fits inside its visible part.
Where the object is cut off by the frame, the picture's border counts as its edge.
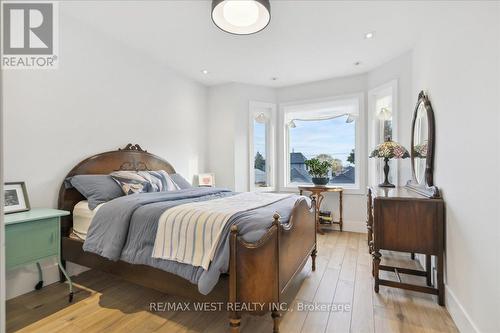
(190, 233)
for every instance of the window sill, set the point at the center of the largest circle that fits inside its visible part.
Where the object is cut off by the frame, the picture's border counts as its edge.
(263, 189)
(347, 190)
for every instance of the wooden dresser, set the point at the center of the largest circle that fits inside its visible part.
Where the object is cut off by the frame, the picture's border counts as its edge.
(400, 219)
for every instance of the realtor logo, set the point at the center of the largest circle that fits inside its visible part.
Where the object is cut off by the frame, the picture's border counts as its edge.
(29, 35)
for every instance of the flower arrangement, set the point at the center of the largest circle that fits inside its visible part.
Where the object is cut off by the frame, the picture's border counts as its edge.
(389, 150)
(420, 151)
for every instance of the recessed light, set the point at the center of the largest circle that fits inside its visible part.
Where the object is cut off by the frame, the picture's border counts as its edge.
(370, 35)
(205, 71)
(357, 63)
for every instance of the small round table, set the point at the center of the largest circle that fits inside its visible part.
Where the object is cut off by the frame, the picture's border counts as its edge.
(317, 194)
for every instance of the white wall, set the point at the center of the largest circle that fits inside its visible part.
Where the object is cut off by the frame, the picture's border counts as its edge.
(2, 233)
(354, 213)
(103, 96)
(399, 69)
(228, 127)
(457, 63)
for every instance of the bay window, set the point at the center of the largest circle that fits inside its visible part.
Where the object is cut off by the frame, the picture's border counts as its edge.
(328, 130)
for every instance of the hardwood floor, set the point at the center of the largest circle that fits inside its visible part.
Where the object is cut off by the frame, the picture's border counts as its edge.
(104, 303)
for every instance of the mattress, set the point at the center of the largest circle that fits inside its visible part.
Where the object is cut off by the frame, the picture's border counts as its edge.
(82, 217)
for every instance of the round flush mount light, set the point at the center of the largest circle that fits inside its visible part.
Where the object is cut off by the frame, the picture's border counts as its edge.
(370, 35)
(204, 71)
(241, 17)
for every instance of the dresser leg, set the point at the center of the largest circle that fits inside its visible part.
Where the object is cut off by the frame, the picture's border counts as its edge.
(376, 262)
(428, 269)
(440, 278)
(313, 259)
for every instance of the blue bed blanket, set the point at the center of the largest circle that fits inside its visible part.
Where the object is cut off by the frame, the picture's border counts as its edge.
(125, 229)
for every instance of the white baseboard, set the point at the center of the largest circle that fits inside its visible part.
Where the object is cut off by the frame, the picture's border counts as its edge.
(355, 226)
(458, 314)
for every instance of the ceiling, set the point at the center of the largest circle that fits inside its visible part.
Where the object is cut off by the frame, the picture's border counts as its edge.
(305, 41)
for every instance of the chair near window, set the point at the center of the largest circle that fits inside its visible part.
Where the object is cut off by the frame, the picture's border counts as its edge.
(316, 192)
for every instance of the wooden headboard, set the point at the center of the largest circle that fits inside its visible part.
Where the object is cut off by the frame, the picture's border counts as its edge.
(132, 157)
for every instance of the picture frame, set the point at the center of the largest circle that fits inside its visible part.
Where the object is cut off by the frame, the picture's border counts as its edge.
(206, 180)
(15, 198)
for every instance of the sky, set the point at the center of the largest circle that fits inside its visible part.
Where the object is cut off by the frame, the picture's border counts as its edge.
(259, 138)
(334, 137)
(311, 138)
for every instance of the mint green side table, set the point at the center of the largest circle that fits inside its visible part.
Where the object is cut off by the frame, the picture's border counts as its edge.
(33, 236)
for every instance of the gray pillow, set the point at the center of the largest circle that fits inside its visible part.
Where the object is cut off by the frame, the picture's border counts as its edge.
(96, 188)
(180, 181)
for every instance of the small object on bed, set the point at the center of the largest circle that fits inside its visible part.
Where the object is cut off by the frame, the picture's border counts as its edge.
(144, 181)
(97, 189)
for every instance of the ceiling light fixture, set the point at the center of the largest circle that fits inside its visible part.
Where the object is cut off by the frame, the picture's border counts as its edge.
(357, 63)
(384, 113)
(205, 71)
(369, 35)
(241, 17)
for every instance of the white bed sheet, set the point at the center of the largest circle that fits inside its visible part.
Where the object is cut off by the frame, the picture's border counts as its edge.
(82, 217)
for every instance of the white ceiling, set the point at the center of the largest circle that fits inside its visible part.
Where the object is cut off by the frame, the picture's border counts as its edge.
(305, 41)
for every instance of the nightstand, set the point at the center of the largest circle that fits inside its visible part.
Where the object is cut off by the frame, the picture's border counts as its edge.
(33, 236)
(317, 192)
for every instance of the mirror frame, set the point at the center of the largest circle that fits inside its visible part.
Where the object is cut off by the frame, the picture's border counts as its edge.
(427, 188)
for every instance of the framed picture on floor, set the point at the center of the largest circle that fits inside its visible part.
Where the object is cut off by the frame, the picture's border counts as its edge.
(206, 180)
(15, 197)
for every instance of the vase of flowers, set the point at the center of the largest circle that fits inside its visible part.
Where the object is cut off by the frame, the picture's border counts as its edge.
(389, 150)
(318, 170)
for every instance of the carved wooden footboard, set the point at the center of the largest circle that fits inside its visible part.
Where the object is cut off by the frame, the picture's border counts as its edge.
(259, 273)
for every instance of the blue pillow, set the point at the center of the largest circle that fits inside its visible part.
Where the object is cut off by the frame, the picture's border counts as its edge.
(97, 189)
(180, 181)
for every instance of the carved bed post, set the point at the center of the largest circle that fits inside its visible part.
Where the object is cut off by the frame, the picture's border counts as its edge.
(234, 316)
(314, 252)
(275, 314)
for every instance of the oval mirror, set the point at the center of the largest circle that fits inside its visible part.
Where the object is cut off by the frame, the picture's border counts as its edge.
(420, 143)
(422, 148)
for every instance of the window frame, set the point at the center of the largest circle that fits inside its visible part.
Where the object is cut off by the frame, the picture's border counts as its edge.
(360, 148)
(269, 109)
(376, 126)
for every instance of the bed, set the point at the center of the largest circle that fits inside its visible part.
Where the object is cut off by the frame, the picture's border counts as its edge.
(262, 271)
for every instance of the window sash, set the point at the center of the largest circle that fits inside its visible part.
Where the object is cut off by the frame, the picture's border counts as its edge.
(269, 110)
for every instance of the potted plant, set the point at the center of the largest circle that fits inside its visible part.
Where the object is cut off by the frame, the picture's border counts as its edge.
(318, 170)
